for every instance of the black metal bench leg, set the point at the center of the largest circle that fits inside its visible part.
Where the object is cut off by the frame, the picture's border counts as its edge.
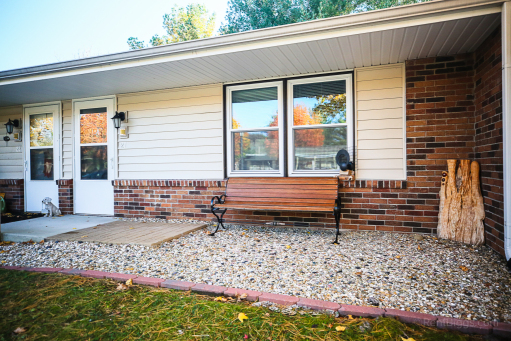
(337, 215)
(220, 219)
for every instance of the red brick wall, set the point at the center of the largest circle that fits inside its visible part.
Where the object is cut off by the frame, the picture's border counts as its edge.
(165, 199)
(65, 196)
(14, 194)
(489, 148)
(439, 124)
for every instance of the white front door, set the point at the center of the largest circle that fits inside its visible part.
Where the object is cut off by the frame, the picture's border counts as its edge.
(94, 157)
(42, 154)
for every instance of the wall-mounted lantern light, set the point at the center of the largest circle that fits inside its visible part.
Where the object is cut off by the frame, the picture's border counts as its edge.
(118, 118)
(9, 126)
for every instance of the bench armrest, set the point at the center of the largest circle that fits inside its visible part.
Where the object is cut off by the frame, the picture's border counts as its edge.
(219, 200)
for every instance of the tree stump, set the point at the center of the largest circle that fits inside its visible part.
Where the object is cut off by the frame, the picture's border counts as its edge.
(461, 211)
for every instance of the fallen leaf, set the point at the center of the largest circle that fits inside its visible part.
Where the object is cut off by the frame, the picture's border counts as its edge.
(121, 286)
(83, 236)
(220, 299)
(398, 257)
(350, 317)
(329, 325)
(19, 330)
(419, 247)
(267, 314)
(74, 228)
(41, 242)
(358, 273)
(288, 247)
(242, 316)
(464, 268)
(407, 339)
(340, 328)
(129, 282)
(132, 228)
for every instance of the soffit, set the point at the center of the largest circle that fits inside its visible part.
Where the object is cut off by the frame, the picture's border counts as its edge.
(283, 58)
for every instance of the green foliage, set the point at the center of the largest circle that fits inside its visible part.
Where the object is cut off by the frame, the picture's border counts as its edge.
(135, 44)
(245, 15)
(60, 307)
(191, 23)
(182, 24)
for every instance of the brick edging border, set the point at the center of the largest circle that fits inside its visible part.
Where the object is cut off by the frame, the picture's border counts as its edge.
(464, 326)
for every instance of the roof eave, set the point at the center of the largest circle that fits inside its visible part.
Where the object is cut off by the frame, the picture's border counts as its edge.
(364, 19)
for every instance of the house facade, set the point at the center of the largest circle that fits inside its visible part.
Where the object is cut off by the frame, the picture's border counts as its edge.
(402, 90)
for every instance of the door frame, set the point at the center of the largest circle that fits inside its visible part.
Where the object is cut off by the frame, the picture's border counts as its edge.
(30, 109)
(100, 101)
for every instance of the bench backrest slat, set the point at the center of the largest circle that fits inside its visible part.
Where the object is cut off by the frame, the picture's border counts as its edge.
(314, 192)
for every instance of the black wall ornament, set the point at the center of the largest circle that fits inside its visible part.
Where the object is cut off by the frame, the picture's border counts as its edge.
(343, 160)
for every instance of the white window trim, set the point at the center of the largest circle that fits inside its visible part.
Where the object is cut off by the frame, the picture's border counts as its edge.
(229, 130)
(349, 122)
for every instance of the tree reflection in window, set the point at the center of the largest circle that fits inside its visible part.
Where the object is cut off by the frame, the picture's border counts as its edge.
(322, 106)
(93, 127)
(94, 162)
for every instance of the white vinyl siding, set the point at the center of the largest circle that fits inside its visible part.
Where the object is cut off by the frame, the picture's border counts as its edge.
(173, 134)
(380, 112)
(67, 140)
(11, 155)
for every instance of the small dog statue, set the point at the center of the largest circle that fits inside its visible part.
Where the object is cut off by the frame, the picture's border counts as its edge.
(50, 208)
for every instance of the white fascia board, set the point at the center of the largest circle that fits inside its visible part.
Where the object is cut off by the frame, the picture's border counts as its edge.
(44, 104)
(506, 122)
(367, 22)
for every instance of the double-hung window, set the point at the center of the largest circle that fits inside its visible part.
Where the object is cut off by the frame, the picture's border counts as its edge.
(255, 129)
(318, 124)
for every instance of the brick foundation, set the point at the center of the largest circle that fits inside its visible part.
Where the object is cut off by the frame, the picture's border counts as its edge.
(65, 196)
(14, 194)
(163, 199)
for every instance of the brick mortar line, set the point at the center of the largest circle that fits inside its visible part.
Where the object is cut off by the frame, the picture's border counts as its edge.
(466, 326)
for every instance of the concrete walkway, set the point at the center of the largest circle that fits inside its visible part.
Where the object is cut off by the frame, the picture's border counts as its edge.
(38, 229)
(129, 232)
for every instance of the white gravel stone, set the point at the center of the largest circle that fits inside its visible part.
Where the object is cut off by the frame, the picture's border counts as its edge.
(388, 270)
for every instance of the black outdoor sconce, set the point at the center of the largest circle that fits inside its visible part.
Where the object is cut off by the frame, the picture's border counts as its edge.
(343, 160)
(9, 126)
(118, 118)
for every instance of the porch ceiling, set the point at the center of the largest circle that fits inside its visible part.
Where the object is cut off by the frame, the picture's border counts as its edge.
(339, 48)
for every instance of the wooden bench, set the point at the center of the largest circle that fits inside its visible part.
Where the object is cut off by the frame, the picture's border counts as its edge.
(279, 194)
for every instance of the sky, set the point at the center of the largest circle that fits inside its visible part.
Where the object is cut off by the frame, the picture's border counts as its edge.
(36, 32)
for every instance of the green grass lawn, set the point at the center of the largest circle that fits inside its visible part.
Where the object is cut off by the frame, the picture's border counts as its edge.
(59, 307)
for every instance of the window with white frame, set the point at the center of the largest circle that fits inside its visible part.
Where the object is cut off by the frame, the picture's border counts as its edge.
(319, 115)
(319, 123)
(255, 129)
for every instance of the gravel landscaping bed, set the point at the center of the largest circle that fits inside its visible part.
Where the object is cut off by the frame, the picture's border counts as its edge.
(386, 270)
